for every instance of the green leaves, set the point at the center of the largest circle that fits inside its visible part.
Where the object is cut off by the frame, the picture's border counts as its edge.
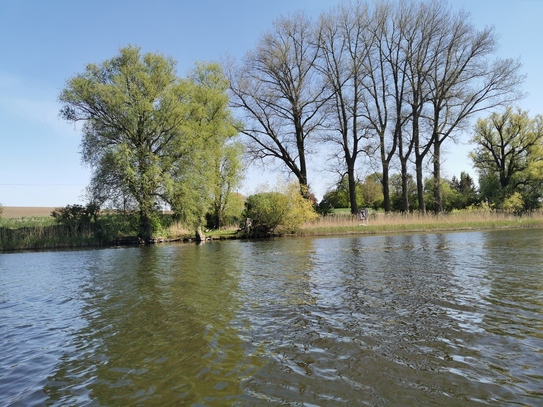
(509, 152)
(150, 136)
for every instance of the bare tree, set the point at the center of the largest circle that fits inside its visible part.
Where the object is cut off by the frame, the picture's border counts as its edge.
(426, 22)
(465, 82)
(382, 90)
(277, 91)
(344, 50)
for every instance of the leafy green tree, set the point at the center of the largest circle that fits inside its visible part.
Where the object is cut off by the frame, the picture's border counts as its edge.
(398, 194)
(466, 192)
(76, 217)
(144, 133)
(514, 203)
(372, 191)
(450, 197)
(509, 150)
(227, 170)
(216, 169)
(340, 197)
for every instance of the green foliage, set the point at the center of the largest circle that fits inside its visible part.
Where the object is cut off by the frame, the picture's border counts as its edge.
(77, 217)
(339, 197)
(396, 199)
(205, 180)
(466, 192)
(231, 213)
(150, 136)
(301, 209)
(1, 209)
(266, 212)
(514, 203)
(509, 156)
(372, 191)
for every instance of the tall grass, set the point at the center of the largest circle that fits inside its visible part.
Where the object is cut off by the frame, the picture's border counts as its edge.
(35, 233)
(398, 222)
(46, 237)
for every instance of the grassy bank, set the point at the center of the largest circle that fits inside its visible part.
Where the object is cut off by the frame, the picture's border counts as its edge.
(35, 233)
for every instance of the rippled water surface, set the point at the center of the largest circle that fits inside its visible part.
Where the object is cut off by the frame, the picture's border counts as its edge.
(432, 319)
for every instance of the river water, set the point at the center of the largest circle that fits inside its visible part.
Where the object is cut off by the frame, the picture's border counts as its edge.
(453, 319)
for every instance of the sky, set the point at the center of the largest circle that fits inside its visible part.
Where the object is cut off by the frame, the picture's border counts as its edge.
(44, 43)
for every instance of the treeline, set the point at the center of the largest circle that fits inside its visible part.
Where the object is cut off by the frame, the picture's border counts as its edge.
(457, 193)
(387, 83)
(508, 156)
(383, 85)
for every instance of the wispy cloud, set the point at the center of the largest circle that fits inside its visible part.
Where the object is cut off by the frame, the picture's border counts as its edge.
(29, 100)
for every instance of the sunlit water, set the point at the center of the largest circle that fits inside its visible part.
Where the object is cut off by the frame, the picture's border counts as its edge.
(427, 319)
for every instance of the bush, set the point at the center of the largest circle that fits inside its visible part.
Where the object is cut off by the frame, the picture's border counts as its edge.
(75, 217)
(266, 212)
(514, 203)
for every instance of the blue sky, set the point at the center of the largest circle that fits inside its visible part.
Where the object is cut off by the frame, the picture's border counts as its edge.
(43, 43)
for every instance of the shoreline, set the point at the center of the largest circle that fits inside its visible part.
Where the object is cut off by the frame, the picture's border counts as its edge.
(322, 228)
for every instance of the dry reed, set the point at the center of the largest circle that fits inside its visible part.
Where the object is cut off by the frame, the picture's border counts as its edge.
(381, 222)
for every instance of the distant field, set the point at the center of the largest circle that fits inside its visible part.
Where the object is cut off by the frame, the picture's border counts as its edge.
(26, 211)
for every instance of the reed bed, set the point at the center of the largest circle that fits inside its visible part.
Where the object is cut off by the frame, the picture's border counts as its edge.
(46, 237)
(378, 222)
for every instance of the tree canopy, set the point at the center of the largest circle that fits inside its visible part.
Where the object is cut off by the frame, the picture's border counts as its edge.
(509, 155)
(145, 130)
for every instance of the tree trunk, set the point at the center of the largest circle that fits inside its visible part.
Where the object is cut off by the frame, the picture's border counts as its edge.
(438, 200)
(145, 224)
(405, 186)
(352, 190)
(420, 184)
(386, 189)
(200, 237)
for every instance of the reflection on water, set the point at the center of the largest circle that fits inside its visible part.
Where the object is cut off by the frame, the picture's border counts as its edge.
(428, 319)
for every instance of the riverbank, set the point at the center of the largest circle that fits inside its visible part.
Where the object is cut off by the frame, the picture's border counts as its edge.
(396, 223)
(40, 232)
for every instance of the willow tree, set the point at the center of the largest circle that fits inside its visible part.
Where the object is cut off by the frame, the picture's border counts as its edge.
(278, 96)
(141, 130)
(220, 162)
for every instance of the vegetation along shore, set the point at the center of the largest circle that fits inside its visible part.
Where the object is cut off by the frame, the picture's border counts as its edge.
(33, 231)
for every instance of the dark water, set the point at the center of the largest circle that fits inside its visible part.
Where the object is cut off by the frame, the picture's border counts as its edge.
(433, 319)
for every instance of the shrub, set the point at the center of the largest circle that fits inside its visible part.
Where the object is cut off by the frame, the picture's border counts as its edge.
(514, 203)
(266, 212)
(76, 216)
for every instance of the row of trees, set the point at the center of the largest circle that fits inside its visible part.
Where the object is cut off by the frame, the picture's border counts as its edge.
(508, 156)
(457, 193)
(389, 81)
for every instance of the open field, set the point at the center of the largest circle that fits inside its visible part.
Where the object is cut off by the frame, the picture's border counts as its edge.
(26, 211)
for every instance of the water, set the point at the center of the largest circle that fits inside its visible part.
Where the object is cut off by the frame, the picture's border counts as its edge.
(427, 319)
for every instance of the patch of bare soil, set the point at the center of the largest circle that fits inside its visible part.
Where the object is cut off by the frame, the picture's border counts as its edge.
(26, 211)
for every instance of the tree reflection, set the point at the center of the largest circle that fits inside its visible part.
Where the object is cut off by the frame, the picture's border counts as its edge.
(161, 329)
